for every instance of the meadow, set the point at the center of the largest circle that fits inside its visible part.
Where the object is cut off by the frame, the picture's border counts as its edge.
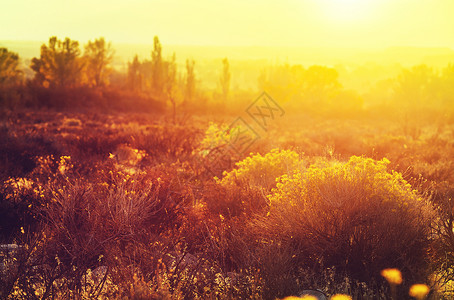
(117, 187)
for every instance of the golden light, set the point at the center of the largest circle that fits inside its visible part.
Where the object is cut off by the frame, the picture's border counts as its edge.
(347, 11)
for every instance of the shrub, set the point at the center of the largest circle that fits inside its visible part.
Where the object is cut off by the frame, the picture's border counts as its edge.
(17, 153)
(121, 222)
(223, 145)
(19, 199)
(165, 143)
(262, 171)
(354, 216)
(215, 136)
(242, 191)
(443, 256)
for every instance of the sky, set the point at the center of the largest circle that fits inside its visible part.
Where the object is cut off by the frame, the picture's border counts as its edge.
(291, 23)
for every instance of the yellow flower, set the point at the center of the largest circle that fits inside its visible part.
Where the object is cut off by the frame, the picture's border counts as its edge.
(307, 297)
(262, 171)
(419, 291)
(393, 276)
(341, 297)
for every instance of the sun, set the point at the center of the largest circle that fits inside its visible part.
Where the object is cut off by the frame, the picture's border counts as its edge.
(348, 11)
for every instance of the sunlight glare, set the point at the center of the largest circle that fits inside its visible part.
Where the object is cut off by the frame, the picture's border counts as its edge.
(348, 11)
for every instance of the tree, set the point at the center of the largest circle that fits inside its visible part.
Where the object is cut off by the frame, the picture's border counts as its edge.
(157, 70)
(320, 84)
(284, 82)
(313, 87)
(98, 56)
(59, 65)
(225, 78)
(9, 68)
(134, 75)
(415, 86)
(447, 80)
(190, 80)
(170, 81)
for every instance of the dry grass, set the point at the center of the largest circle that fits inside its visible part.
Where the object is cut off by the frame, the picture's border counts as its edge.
(129, 194)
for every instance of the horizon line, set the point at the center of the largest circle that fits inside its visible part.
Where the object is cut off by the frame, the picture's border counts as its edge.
(446, 47)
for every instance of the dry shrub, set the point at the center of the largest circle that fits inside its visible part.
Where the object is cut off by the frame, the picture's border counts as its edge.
(234, 200)
(223, 145)
(72, 239)
(95, 143)
(126, 223)
(84, 98)
(443, 256)
(19, 203)
(17, 153)
(137, 205)
(166, 142)
(354, 216)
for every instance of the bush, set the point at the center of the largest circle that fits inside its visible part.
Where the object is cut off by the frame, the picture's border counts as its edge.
(222, 145)
(262, 171)
(354, 216)
(242, 191)
(443, 256)
(164, 143)
(116, 221)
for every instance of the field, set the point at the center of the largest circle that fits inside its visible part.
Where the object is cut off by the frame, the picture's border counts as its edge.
(226, 179)
(134, 205)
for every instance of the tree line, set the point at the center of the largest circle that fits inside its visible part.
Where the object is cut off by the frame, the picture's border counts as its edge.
(319, 87)
(63, 65)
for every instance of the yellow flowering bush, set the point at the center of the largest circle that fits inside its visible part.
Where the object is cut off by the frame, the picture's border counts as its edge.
(355, 216)
(262, 171)
(370, 176)
(340, 297)
(308, 297)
